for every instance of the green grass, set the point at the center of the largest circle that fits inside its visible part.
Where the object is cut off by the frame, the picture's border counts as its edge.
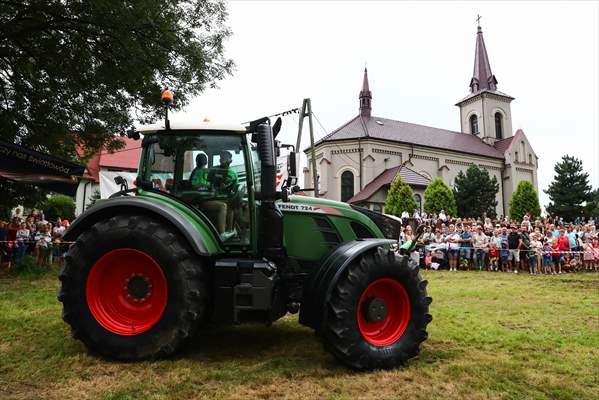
(493, 336)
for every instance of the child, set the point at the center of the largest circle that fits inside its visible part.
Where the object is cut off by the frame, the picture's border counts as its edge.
(547, 259)
(533, 253)
(504, 254)
(493, 257)
(589, 254)
(43, 241)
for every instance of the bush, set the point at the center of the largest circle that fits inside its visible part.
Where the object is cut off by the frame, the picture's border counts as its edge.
(400, 198)
(59, 206)
(524, 200)
(438, 196)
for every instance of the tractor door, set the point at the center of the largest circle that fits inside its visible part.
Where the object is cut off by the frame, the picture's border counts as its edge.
(211, 172)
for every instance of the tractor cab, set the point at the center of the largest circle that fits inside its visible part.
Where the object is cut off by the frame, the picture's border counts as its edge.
(211, 168)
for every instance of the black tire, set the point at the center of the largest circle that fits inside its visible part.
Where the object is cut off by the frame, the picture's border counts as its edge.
(340, 330)
(187, 301)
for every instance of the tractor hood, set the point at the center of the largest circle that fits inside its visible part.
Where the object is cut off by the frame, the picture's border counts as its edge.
(380, 224)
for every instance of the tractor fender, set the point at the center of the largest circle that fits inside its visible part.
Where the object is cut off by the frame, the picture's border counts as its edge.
(130, 204)
(321, 281)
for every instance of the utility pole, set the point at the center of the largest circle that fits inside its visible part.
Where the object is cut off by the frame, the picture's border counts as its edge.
(306, 111)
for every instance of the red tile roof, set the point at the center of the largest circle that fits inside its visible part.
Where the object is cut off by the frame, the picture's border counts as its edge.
(405, 132)
(504, 144)
(126, 158)
(408, 175)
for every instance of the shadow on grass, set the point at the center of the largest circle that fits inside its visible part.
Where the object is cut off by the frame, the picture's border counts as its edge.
(286, 341)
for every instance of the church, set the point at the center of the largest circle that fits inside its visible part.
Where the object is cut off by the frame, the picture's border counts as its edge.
(357, 162)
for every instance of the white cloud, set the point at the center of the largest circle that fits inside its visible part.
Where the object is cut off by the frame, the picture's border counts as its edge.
(420, 60)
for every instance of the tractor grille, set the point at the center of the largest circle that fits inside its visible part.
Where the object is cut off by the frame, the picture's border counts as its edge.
(390, 227)
(327, 230)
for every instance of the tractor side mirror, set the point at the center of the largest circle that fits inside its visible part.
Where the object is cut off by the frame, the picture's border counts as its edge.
(276, 128)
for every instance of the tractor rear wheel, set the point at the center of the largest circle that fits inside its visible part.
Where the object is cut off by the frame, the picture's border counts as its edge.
(377, 313)
(132, 289)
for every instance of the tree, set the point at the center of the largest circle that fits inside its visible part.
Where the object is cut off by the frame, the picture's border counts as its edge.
(438, 196)
(59, 206)
(77, 72)
(570, 192)
(13, 194)
(475, 193)
(524, 200)
(400, 198)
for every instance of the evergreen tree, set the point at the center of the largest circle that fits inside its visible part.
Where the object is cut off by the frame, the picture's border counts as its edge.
(438, 196)
(524, 200)
(400, 198)
(475, 193)
(570, 192)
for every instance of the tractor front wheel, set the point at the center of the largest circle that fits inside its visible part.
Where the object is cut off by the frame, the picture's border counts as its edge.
(132, 289)
(377, 313)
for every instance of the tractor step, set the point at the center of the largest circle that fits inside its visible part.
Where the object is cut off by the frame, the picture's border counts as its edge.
(244, 290)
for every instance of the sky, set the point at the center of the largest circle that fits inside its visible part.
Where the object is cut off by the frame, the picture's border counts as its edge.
(420, 58)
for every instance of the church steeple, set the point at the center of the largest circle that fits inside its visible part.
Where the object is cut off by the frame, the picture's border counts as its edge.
(485, 112)
(365, 97)
(482, 78)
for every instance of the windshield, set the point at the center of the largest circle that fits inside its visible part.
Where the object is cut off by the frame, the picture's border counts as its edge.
(209, 172)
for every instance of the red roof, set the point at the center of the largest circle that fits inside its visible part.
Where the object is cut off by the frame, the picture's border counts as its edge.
(126, 158)
(408, 175)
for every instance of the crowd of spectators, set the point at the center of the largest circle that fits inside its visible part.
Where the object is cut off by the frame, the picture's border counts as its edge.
(548, 246)
(33, 235)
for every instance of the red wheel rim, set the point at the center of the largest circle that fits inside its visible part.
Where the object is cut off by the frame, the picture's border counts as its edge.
(126, 291)
(390, 328)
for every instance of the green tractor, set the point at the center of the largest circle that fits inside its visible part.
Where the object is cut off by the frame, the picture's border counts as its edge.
(206, 237)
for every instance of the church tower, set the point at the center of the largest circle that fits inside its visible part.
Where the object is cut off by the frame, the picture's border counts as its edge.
(365, 97)
(485, 112)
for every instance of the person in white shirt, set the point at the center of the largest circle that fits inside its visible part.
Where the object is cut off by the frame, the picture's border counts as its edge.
(442, 216)
(405, 215)
(453, 240)
(481, 243)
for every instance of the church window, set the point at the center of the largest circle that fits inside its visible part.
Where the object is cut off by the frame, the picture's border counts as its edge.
(516, 158)
(498, 125)
(347, 185)
(530, 158)
(474, 125)
(418, 199)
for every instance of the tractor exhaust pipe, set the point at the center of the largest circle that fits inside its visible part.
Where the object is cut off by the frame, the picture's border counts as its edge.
(268, 162)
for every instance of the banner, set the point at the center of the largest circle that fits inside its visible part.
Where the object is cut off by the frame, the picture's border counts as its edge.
(20, 164)
(107, 185)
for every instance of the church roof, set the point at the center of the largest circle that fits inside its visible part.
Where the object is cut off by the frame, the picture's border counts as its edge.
(408, 175)
(405, 132)
(504, 144)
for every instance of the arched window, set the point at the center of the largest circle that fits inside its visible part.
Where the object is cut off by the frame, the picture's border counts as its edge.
(418, 199)
(498, 125)
(347, 185)
(474, 125)
(530, 158)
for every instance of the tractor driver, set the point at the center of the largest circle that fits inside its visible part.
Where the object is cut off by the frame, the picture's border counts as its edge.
(224, 180)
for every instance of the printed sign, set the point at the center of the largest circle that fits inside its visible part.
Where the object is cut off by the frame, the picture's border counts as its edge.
(307, 208)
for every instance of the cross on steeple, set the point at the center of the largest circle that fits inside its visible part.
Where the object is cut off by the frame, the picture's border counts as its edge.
(478, 17)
